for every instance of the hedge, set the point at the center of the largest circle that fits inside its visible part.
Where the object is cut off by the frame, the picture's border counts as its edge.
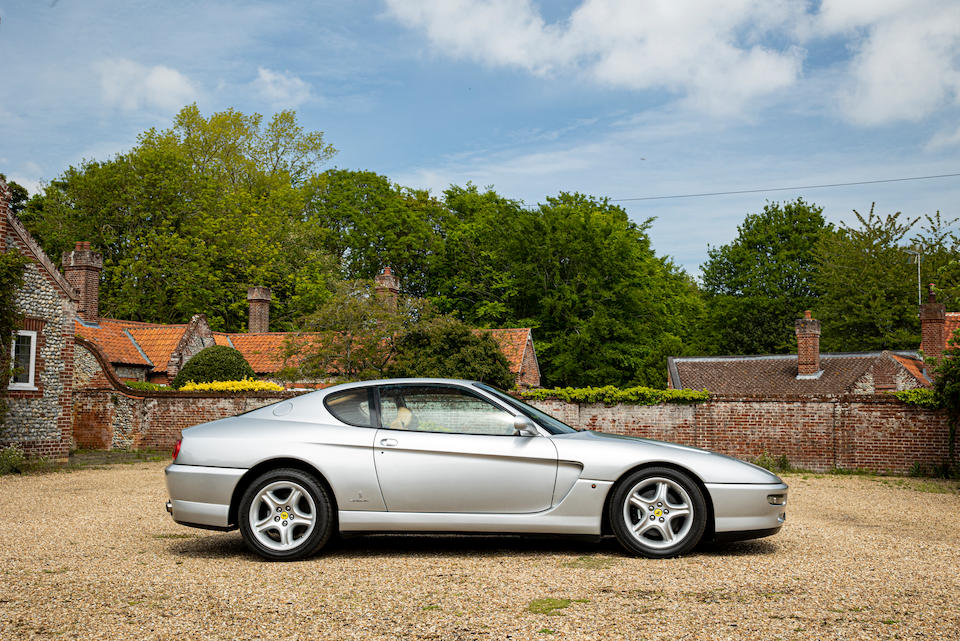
(611, 395)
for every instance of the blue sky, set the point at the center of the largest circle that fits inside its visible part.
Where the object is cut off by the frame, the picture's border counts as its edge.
(622, 99)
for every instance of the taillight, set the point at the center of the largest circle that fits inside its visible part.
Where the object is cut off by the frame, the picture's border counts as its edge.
(176, 448)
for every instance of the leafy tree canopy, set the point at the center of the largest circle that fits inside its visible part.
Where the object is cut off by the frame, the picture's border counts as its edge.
(758, 284)
(446, 347)
(192, 216)
(868, 279)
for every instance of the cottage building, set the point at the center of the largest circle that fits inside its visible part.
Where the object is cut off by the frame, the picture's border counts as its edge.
(155, 353)
(806, 373)
(40, 393)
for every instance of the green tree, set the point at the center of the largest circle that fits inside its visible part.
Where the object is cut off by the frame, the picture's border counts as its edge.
(447, 348)
(368, 223)
(352, 336)
(192, 216)
(605, 309)
(18, 195)
(869, 298)
(758, 284)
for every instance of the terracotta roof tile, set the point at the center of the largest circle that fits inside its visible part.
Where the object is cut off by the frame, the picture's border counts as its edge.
(111, 338)
(512, 343)
(914, 366)
(264, 352)
(950, 326)
(158, 342)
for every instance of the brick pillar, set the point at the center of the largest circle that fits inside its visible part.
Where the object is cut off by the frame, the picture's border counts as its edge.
(82, 268)
(808, 345)
(259, 299)
(933, 317)
(387, 287)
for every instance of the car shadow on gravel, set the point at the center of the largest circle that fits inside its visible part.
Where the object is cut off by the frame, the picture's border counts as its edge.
(226, 545)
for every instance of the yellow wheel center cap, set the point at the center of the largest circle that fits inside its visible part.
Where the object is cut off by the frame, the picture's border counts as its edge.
(658, 512)
(284, 516)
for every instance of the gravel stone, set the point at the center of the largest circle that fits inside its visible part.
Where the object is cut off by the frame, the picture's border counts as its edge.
(93, 555)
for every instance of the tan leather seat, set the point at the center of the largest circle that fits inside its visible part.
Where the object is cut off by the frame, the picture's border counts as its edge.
(404, 421)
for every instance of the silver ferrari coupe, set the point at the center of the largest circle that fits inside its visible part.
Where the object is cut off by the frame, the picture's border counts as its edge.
(439, 455)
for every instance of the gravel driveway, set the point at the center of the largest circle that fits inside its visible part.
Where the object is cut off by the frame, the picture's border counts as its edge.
(93, 555)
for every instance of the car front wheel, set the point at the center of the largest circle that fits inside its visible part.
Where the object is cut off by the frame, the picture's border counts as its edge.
(658, 512)
(285, 515)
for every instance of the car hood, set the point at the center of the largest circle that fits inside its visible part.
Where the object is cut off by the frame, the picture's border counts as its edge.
(607, 456)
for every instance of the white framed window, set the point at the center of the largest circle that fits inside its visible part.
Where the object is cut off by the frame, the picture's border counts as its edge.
(23, 355)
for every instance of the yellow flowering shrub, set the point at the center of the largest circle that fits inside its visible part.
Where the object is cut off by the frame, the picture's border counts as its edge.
(245, 385)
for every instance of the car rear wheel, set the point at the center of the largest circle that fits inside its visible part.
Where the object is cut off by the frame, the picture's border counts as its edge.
(285, 515)
(658, 512)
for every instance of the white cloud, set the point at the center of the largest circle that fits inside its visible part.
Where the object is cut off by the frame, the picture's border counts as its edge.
(703, 49)
(281, 89)
(906, 64)
(131, 86)
(944, 139)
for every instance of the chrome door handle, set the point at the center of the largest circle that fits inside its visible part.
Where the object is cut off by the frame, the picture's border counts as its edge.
(388, 442)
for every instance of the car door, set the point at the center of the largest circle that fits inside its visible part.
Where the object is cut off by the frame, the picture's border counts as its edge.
(444, 448)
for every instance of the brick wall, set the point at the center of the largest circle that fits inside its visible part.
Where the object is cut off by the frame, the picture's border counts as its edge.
(105, 418)
(872, 432)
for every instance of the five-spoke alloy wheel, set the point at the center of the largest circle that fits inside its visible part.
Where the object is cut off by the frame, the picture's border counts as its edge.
(285, 514)
(658, 512)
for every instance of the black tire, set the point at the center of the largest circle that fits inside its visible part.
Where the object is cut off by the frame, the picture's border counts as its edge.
(643, 502)
(302, 531)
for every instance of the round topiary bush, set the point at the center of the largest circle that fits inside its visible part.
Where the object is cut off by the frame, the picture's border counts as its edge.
(216, 363)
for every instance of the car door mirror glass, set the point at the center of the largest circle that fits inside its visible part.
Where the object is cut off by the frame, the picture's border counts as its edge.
(525, 427)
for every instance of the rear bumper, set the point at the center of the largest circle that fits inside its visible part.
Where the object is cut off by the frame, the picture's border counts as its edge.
(746, 508)
(200, 496)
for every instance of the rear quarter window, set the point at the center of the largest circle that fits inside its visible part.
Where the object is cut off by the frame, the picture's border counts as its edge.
(353, 406)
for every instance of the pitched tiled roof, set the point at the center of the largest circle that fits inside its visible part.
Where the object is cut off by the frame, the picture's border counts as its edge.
(157, 342)
(512, 343)
(112, 339)
(152, 344)
(262, 351)
(949, 327)
(777, 374)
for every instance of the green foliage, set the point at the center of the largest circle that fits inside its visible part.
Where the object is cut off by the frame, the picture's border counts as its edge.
(604, 308)
(193, 215)
(148, 387)
(758, 284)
(445, 347)
(12, 460)
(611, 395)
(352, 336)
(947, 389)
(778, 464)
(12, 266)
(921, 397)
(869, 285)
(18, 195)
(215, 363)
(367, 224)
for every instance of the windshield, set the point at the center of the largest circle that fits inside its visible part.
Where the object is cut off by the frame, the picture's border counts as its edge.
(545, 421)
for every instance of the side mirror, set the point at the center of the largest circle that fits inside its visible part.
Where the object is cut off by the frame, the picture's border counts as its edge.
(525, 427)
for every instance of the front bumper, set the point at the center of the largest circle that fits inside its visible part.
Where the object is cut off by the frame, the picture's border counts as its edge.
(200, 496)
(743, 507)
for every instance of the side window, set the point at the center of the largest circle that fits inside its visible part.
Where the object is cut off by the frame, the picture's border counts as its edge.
(24, 360)
(442, 409)
(352, 406)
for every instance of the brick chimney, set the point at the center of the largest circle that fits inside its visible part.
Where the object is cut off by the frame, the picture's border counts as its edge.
(933, 317)
(808, 346)
(387, 287)
(82, 268)
(259, 299)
